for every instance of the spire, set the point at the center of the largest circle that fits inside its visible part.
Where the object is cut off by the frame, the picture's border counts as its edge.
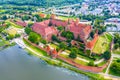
(53, 16)
(77, 21)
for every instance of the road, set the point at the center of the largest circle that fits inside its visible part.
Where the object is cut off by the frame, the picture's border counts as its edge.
(116, 55)
(107, 70)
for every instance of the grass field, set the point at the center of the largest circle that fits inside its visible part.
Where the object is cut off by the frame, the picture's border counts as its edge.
(113, 72)
(54, 46)
(3, 42)
(65, 18)
(35, 48)
(116, 51)
(103, 44)
(78, 61)
(2, 11)
(12, 31)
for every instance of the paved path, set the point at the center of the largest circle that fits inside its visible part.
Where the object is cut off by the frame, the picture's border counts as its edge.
(97, 62)
(82, 59)
(107, 70)
(116, 55)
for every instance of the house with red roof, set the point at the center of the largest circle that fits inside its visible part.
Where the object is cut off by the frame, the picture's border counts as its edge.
(56, 22)
(47, 28)
(44, 30)
(21, 23)
(78, 29)
(90, 45)
(42, 15)
(54, 53)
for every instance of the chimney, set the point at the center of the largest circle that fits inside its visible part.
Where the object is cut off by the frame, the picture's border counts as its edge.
(53, 16)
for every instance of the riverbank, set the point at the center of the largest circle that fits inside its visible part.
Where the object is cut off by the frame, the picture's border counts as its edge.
(32, 50)
(5, 44)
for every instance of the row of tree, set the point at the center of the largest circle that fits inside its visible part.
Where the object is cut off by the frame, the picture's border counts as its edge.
(115, 68)
(34, 37)
(116, 40)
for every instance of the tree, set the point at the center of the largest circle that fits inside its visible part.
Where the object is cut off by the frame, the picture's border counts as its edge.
(62, 45)
(4, 17)
(34, 37)
(30, 24)
(74, 52)
(73, 55)
(67, 34)
(28, 30)
(92, 34)
(70, 35)
(115, 68)
(60, 28)
(9, 37)
(54, 38)
(88, 52)
(17, 35)
(43, 41)
(78, 38)
(91, 63)
(116, 37)
(39, 19)
(107, 55)
(25, 17)
(116, 46)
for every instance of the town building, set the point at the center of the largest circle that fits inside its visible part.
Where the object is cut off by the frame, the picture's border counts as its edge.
(47, 28)
(79, 30)
(90, 44)
(44, 30)
(21, 23)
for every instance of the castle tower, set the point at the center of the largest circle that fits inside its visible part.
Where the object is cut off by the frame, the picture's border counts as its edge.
(77, 21)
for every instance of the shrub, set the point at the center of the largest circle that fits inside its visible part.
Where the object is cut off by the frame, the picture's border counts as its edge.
(107, 55)
(91, 63)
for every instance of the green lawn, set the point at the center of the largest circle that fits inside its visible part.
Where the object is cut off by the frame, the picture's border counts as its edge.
(116, 51)
(103, 44)
(54, 46)
(76, 60)
(35, 48)
(80, 62)
(102, 63)
(2, 11)
(66, 18)
(3, 42)
(63, 55)
(116, 68)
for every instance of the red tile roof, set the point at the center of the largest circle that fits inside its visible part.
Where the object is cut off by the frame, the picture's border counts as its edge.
(21, 23)
(77, 28)
(42, 15)
(53, 16)
(56, 22)
(44, 30)
(90, 45)
(54, 52)
(48, 48)
(80, 29)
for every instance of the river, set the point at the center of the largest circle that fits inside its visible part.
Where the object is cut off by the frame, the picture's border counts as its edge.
(16, 64)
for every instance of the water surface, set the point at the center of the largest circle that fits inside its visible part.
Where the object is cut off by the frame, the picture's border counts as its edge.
(16, 64)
